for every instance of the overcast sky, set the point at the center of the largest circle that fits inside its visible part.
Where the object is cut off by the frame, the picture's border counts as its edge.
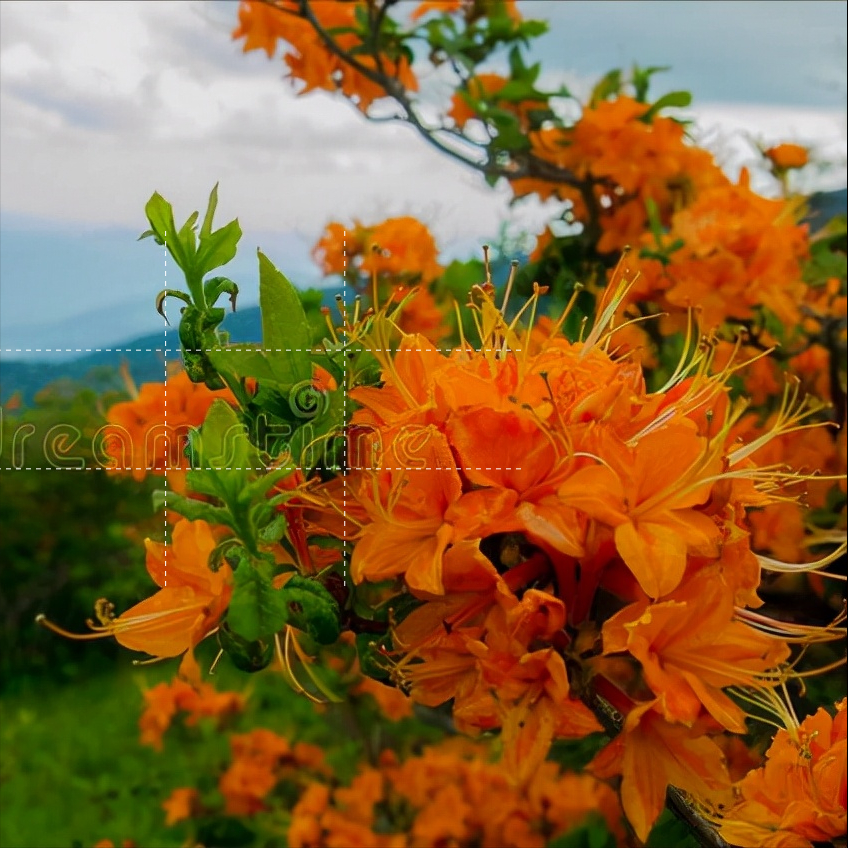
(101, 103)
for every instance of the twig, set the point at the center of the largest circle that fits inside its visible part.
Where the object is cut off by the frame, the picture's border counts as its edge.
(526, 165)
(612, 721)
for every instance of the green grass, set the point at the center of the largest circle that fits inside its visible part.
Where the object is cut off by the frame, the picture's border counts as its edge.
(72, 770)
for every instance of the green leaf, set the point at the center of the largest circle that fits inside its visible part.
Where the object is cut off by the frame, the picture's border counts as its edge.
(672, 100)
(285, 331)
(606, 87)
(312, 609)
(190, 508)
(243, 360)
(257, 610)
(206, 227)
(312, 445)
(218, 248)
(214, 287)
(246, 656)
(642, 79)
(592, 833)
(188, 237)
(225, 461)
(160, 214)
(274, 530)
(531, 29)
(669, 830)
(516, 91)
(256, 490)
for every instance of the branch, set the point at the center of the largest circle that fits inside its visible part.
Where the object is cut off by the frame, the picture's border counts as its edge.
(612, 721)
(526, 166)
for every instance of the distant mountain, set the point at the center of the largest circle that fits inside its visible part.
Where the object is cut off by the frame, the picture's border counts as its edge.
(66, 285)
(824, 205)
(145, 357)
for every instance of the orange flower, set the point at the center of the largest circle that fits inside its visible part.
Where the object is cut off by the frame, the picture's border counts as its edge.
(450, 794)
(261, 759)
(183, 803)
(786, 156)
(332, 250)
(741, 251)
(260, 25)
(509, 479)
(798, 797)
(475, 647)
(308, 58)
(422, 315)
(663, 525)
(442, 7)
(480, 87)
(652, 754)
(632, 160)
(165, 700)
(690, 648)
(191, 600)
(143, 438)
(188, 606)
(408, 533)
(472, 9)
(392, 702)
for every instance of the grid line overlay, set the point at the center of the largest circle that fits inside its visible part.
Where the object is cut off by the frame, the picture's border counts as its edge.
(167, 463)
(344, 418)
(257, 348)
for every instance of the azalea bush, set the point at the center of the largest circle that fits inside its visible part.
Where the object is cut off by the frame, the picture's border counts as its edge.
(595, 500)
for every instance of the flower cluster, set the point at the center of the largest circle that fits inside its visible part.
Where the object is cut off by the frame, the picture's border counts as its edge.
(308, 56)
(513, 489)
(147, 434)
(737, 252)
(396, 250)
(261, 760)
(798, 797)
(395, 259)
(165, 700)
(630, 158)
(449, 795)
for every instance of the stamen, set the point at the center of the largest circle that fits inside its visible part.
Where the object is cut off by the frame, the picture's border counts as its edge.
(340, 305)
(793, 410)
(216, 661)
(800, 634)
(45, 622)
(325, 311)
(150, 661)
(608, 311)
(776, 565)
(513, 268)
(578, 287)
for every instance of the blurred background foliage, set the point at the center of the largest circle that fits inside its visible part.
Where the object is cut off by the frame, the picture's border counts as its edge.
(69, 537)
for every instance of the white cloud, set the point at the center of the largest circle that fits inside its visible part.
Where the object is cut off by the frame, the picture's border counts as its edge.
(101, 103)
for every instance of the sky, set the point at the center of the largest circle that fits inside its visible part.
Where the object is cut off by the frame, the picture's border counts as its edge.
(102, 103)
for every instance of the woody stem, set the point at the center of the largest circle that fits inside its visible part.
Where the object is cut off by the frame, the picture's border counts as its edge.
(612, 722)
